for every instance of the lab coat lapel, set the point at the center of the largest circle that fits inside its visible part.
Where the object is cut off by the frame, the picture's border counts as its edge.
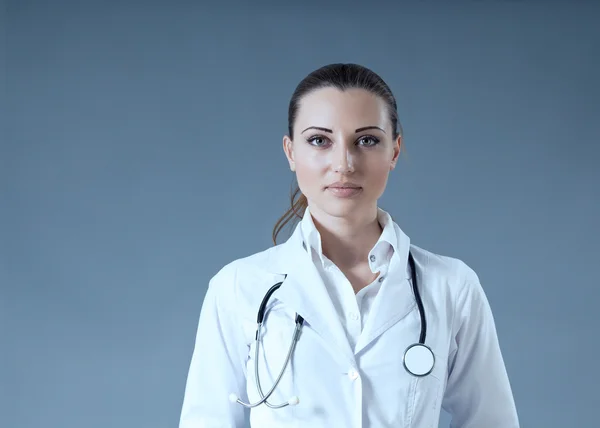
(394, 300)
(305, 292)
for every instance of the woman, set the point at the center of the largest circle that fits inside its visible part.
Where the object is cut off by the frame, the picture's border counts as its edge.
(349, 279)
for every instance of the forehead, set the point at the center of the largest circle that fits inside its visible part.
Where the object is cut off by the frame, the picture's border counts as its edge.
(332, 108)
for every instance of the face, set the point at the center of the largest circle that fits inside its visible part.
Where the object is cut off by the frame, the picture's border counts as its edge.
(342, 150)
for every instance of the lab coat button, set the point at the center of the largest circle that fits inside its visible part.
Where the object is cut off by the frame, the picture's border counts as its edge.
(353, 374)
(353, 316)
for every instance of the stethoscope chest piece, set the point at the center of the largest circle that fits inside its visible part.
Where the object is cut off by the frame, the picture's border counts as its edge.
(419, 359)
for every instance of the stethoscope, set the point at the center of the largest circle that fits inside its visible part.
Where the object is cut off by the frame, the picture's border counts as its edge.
(418, 358)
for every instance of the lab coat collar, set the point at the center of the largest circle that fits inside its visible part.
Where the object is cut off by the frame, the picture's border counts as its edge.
(304, 290)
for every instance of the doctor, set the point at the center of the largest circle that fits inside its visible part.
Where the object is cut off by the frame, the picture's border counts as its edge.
(358, 327)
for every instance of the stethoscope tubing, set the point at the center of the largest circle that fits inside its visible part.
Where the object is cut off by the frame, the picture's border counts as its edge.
(417, 294)
(287, 359)
(299, 322)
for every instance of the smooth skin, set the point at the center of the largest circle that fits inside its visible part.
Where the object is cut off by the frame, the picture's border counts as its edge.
(344, 136)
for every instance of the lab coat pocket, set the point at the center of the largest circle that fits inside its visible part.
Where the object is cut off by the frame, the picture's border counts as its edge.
(425, 393)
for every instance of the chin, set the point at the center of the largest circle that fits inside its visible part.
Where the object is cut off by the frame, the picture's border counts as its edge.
(343, 207)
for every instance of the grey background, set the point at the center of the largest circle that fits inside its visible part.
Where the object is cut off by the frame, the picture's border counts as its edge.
(142, 151)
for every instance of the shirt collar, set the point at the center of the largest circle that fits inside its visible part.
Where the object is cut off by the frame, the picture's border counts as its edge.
(380, 254)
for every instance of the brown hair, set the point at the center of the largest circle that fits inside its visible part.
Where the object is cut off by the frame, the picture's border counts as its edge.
(342, 77)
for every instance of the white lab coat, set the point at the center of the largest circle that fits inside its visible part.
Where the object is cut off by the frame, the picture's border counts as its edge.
(339, 386)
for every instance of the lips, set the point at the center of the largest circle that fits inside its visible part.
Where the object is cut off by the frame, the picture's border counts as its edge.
(344, 190)
(342, 185)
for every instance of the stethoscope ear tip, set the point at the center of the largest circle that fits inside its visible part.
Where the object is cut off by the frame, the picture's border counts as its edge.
(233, 398)
(293, 401)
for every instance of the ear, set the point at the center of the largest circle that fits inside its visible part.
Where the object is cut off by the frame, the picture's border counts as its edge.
(288, 149)
(397, 149)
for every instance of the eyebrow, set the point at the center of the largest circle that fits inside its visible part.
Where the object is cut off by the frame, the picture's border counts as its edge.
(330, 131)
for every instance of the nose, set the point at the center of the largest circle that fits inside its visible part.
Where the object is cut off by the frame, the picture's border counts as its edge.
(343, 160)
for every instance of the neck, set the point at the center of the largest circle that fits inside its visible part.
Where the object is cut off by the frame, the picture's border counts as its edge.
(346, 241)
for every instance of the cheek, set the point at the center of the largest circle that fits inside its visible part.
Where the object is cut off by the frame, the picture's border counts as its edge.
(308, 177)
(378, 174)
(309, 168)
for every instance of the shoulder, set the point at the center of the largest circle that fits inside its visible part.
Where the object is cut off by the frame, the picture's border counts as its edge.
(452, 289)
(254, 264)
(452, 271)
(240, 281)
(453, 280)
(449, 279)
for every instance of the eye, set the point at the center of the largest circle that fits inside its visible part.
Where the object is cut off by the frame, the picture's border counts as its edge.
(368, 141)
(317, 140)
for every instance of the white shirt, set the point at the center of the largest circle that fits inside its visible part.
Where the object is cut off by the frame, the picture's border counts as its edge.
(352, 309)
